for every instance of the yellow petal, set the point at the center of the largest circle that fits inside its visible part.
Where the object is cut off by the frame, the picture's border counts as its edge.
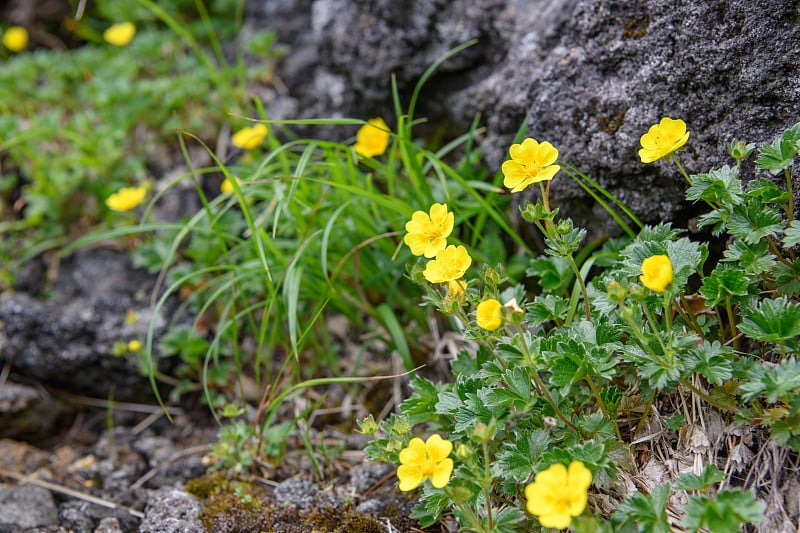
(547, 154)
(410, 477)
(441, 475)
(556, 520)
(579, 476)
(438, 448)
(414, 453)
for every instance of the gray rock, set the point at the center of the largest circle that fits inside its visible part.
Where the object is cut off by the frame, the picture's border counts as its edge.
(27, 506)
(25, 412)
(67, 340)
(297, 491)
(363, 476)
(172, 511)
(591, 76)
(109, 525)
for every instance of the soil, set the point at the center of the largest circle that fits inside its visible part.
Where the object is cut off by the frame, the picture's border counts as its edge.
(134, 470)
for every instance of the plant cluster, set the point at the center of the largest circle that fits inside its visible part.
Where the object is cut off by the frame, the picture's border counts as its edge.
(543, 414)
(83, 127)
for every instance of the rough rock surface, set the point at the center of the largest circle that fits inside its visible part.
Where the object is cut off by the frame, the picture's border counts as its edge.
(590, 75)
(172, 511)
(26, 506)
(67, 340)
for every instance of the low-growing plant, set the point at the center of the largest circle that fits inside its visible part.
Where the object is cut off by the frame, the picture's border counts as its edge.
(543, 418)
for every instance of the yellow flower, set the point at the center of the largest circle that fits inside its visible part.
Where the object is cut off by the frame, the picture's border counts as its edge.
(450, 264)
(427, 235)
(134, 346)
(656, 272)
(227, 186)
(489, 314)
(248, 138)
(662, 139)
(119, 34)
(423, 460)
(16, 38)
(557, 494)
(126, 198)
(531, 162)
(372, 138)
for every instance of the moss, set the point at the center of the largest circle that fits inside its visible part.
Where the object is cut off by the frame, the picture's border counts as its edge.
(635, 28)
(231, 506)
(611, 122)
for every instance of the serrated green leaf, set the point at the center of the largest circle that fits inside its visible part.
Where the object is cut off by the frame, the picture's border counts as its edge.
(773, 320)
(778, 382)
(754, 259)
(553, 272)
(753, 221)
(518, 457)
(711, 475)
(787, 278)
(792, 234)
(764, 191)
(721, 186)
(725, 514)
(713, 361)
(723, 282)
(780, 153)
(430, 508)
(546, 308)
(649, 513)
(564, 371)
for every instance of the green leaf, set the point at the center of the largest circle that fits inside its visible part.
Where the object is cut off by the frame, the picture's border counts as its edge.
(753, 221)
(518, 456)
(713, 361)
(792, 234)
(432, 503)
(723, 282)
(776, 382)
(765, 192)
(725, 514)
(787, 278)
(780, 153)
(553, 272)
(649, 513)
(773, 320)
(546, 308)
(721, 186)
(754, 259)
(711, 475)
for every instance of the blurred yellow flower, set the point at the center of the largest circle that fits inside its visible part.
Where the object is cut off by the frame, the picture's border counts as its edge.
(427, 234)
(531, 162)
(423, 460)
(126, 198)
(656, 273)
(372, 138)
(450, 264)
(227, 186)
(250, 137)
(15, 38)
(134, 346)
(662, 139)
(489, 314)
(119, 34)
(557, 494)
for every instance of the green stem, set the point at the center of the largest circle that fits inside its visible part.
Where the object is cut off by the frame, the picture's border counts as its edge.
(790, 210)
(705, 397)
(485, 485)
(647, 407)
(683, 171)
(731, 321)
(601, 404)
(578, 276)
(651, 319)
(541, 386)
(777, 253)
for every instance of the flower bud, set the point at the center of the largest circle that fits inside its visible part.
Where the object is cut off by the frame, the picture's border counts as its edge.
(463, 452)
(616, 292)
(367, 426)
